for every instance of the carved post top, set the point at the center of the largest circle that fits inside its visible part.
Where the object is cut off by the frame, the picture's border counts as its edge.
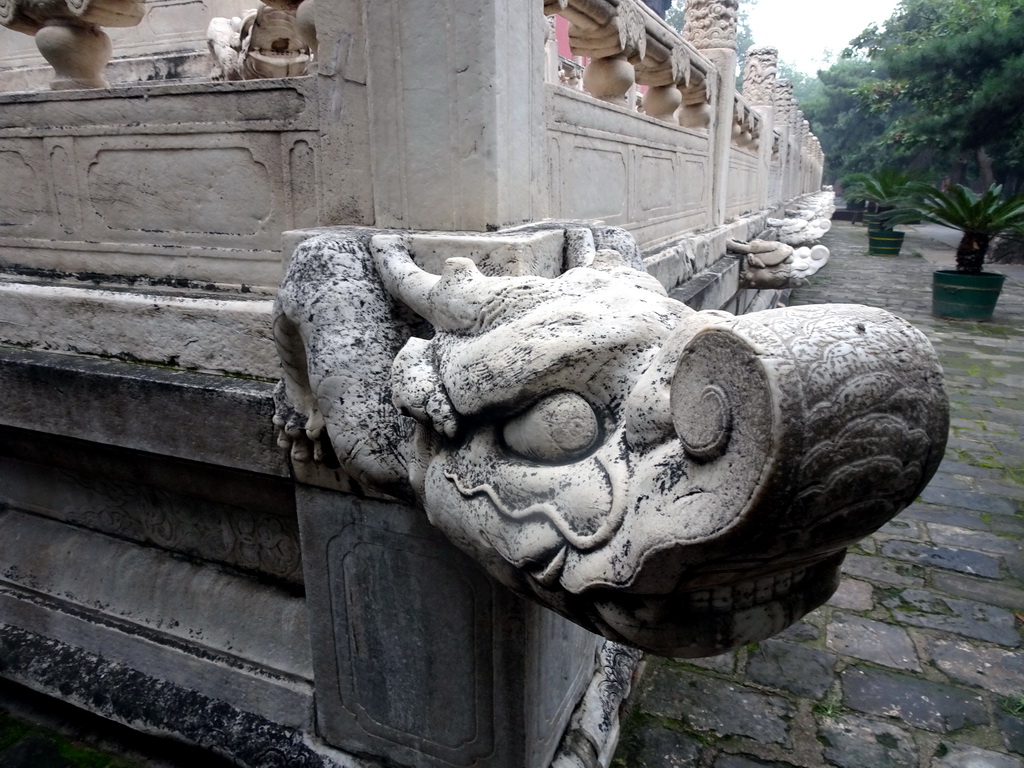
(783, 100)
(711, 23)
(29, 16)
(759, 74)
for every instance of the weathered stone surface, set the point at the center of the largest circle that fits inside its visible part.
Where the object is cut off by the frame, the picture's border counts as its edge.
(229, 332)
(900, 528)
(719, 707)
(967, 756)
(723, 662)
(883, 571)
(994, 669)
(853, 595)
(500, 680)
(585, 437)
(857, 742)
(872, 641)
(801, 632)
(970, 500)
(662, 748)
(133, 406)
(933, 513)
(741, 761)
(1012, 727)
(803, 671)
(922, 608)
(913, 700)
(964, 561)
(1005, 594)
(955, 536)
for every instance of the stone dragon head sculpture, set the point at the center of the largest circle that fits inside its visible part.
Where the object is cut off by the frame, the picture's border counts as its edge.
(685, 482)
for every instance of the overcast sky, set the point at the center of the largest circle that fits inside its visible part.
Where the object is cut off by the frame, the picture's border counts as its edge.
(805, 31)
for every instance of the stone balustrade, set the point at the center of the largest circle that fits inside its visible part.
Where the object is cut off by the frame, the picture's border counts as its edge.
(628, 46)
(758, 152)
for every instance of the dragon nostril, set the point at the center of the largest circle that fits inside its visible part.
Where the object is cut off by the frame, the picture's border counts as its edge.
(705, 430)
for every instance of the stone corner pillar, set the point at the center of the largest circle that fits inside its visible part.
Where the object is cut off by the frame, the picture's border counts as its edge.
(456, 105)
(710, 27)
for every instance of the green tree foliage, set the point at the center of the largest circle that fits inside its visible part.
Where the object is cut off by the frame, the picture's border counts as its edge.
(944, 93)
(850, 127)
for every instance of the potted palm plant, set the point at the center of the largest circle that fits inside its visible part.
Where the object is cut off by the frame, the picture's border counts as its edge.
(886, 190)
(968, 292)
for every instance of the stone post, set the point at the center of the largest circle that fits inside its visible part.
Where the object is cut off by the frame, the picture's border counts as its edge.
(759, 75)
(710, 26)
(456, 118)
(783, 107)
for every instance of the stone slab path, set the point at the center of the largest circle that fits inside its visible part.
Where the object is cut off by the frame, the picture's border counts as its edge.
(917, 661)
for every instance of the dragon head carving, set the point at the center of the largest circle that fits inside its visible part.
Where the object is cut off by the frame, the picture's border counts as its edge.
(682, 481)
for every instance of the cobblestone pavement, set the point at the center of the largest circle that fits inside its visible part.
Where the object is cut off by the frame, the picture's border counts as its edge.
(916, 661)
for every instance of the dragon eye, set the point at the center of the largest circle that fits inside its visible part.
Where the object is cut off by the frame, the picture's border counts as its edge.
(561, 427)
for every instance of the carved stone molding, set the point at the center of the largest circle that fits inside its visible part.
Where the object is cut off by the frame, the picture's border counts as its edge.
(68, 34)
(759, 73)
(711, 23)
(681, 481)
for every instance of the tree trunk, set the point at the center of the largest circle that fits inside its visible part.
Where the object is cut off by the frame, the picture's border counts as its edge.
(985, 168)
(970, 254)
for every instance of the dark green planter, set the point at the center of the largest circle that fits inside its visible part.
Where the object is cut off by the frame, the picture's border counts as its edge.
(871, 219)
(885, 242)
(960, 296)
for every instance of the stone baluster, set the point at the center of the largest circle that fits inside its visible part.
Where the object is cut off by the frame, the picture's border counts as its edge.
(710, 27)
(613, 37)
(68, 34)
(664, 71)
(696, 109)
(743, 125)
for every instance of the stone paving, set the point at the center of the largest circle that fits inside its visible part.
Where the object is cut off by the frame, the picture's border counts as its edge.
(916, 662)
